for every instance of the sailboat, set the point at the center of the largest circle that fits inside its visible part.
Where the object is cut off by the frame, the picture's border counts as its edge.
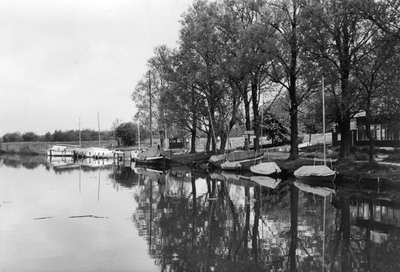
(317, 172)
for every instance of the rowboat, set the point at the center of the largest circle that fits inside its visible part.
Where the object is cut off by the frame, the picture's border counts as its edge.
(237, 160)
(241, 165)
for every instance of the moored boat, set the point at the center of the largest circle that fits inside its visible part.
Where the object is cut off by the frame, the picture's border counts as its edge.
(237, 160)
(191, 158)
(315, 173)
(241, 165)
(61, 150)
(151, 156)
(265, 168)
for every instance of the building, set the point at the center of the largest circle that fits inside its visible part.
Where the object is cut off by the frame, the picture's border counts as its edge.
(386, 134)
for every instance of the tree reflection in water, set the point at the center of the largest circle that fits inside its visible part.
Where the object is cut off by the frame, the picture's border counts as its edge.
(198, 221)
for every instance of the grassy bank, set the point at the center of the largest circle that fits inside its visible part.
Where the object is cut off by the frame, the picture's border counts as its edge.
(353, 171)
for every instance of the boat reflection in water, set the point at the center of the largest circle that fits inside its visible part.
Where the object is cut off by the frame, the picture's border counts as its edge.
(180, 219)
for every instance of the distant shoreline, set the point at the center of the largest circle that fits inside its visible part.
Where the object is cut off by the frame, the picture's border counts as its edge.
(39, 148)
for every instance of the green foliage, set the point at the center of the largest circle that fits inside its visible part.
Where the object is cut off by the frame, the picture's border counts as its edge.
(58, 136)
(126, 134)
(395, 157)
(275, 130)
(12, 137)
(30, 137)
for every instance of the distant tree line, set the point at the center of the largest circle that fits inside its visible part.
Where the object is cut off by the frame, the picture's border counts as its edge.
(58, 136)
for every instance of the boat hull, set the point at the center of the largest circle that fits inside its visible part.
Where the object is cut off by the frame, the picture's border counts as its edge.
(315, 173)
(242, 165)
(265, 168)
(151, 160)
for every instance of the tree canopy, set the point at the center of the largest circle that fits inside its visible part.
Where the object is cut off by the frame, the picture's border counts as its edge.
(235, 56)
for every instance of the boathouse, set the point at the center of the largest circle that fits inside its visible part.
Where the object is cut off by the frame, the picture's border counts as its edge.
(386, 134)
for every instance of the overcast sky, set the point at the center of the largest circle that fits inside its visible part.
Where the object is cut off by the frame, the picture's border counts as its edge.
(62, 61)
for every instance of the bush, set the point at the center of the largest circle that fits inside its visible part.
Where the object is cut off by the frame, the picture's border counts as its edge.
(361, 156)
(395, 157)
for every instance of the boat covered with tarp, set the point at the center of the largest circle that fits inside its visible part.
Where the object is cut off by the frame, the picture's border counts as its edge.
(315, 173)
(265, 168)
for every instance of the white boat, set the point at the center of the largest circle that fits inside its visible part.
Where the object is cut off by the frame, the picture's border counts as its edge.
(240, 160)
(317, 172)
(61, 150)
(265, 168)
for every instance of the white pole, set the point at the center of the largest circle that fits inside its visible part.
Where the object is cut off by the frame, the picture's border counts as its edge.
(138, 132)
(98, 124)
(80, 144)
(323, 117)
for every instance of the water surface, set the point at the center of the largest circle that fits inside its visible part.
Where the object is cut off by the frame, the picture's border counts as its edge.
(93, 215)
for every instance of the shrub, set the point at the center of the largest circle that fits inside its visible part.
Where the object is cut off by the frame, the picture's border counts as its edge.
(394, 157)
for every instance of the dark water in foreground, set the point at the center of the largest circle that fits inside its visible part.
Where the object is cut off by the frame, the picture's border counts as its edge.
(96, 216)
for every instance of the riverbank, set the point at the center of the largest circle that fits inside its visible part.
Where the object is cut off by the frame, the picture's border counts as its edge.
(39, 148)
(386, 168)
(352, 172)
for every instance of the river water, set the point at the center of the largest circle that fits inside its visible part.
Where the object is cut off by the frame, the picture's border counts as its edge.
(99, 216)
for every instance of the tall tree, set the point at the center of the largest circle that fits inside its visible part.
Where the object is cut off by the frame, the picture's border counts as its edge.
(288, 65)
(335, 33)
(376, 73)
(198, 36)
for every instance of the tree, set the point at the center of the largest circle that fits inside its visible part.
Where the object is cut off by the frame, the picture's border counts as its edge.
(126, 134)
(48, 137)
(30, 137)
(275, 130)
(376, 72)
(289, 67)
(12, 137)
(334, 34)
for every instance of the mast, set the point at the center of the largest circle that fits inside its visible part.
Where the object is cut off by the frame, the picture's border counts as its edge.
(323, 117)
(98, 124)
(151, 132)
(138, 132)
(80, 141)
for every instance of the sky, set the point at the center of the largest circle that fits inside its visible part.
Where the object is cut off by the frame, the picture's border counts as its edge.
(65, 64)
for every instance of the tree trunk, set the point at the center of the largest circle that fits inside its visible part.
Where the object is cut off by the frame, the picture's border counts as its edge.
(224, 139)
(370, 136)
(294, 133)
(208, 143)
(344, 126)
(256, 114)
(193, 142)
(248, 120)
